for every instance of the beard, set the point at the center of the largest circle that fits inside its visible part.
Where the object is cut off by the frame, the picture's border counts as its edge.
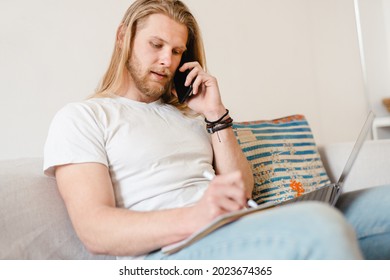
(144, 82)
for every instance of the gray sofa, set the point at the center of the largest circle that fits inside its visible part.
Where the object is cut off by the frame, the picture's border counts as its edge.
(34, 223)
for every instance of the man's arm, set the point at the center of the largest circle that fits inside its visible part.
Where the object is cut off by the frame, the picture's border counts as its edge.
(228, 155)
(104, 229)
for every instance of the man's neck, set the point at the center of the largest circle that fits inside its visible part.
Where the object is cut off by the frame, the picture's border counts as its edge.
(130, 91)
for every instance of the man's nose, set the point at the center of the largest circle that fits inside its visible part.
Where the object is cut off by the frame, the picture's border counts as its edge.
(166, 58)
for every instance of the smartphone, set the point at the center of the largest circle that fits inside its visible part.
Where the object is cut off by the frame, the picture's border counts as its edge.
(183, 92)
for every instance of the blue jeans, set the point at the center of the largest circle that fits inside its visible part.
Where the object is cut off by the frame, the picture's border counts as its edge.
(359, 227)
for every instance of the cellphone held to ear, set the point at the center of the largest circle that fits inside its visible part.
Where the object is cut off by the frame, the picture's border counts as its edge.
(183, 92)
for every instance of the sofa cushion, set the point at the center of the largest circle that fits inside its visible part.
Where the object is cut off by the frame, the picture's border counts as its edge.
(284, 157)
(34, 223)
(371, 167)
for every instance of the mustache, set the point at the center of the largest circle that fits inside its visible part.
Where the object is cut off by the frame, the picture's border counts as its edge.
(162, 71)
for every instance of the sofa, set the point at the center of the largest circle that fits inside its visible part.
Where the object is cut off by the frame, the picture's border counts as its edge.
(34, 223)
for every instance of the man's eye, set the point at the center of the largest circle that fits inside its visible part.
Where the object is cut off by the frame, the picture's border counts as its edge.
(156, 45)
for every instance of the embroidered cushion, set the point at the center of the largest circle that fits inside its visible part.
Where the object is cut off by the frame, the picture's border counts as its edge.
(284, 157)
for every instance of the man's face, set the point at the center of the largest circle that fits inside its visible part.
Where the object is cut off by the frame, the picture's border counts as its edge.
(157, 49)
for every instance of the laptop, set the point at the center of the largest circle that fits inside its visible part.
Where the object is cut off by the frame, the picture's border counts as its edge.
(328, 193)
(331, 192)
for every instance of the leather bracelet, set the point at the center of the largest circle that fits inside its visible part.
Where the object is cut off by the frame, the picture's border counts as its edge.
(218, 127)
(214, 127)
(217, 121)
(228, 120)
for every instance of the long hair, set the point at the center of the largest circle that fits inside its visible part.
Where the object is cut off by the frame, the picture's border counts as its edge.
(113, 79)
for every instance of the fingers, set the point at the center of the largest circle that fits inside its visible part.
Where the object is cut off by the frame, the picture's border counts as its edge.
(205, 97)
(189, 66)
(194, 68)
(199, 79)
(227, 192)
(224, 194)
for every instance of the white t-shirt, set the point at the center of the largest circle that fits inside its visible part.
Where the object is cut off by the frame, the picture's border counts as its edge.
(156, 156)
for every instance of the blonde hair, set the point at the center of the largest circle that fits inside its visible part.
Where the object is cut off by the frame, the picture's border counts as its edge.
(113, 79)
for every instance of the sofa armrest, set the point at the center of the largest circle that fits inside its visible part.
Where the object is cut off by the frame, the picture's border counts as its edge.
(34, 223)
(371, 167)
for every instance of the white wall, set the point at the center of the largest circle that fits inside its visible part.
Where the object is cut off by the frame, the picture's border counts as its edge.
(272, 58)
(375, 33)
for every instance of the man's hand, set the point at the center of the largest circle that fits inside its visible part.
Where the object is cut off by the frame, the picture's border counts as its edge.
(206, 97)
(225, 193)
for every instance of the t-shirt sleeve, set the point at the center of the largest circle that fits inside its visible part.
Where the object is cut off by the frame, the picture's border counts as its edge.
(75, 136)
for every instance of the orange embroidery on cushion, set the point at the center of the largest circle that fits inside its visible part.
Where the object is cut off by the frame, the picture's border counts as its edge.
(297, 186)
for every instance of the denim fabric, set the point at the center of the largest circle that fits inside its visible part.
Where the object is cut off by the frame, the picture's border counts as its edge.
(360, 227)
(307, 230)
(368, 211)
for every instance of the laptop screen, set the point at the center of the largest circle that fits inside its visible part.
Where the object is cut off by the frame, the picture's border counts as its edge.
(356, 149)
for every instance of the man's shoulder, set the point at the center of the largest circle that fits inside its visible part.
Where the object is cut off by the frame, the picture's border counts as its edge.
(87, 105)
(80, 110)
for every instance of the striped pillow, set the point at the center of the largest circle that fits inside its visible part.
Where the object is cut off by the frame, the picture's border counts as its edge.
(284, 157)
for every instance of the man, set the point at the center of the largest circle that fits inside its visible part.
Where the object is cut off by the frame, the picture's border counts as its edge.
(129, 162)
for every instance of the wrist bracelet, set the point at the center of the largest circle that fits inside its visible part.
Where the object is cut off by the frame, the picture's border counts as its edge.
(218, 127)
(228, 120)
(214, 127)
(219, 120)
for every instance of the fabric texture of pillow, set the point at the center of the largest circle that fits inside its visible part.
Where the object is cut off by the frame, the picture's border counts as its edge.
(284, 157)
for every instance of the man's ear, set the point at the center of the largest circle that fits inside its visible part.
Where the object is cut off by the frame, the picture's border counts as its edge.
(120, 35)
